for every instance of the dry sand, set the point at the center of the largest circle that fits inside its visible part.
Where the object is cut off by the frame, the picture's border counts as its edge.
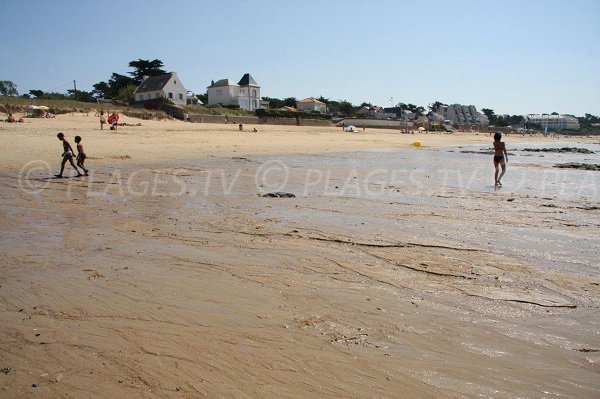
(150, 279)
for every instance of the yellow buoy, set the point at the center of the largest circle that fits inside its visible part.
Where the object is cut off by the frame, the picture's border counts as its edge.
(416, 144)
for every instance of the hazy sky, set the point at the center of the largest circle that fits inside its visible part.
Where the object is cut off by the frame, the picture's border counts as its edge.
(515, 57)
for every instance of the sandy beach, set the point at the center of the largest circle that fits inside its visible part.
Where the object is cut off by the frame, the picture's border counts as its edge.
(390, 271)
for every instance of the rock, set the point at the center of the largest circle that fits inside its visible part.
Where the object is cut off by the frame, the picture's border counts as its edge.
(577, 165)
(560, 150)
(279, 194)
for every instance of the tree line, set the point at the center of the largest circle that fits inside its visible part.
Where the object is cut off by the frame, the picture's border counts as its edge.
(118, 87)
(121, 87)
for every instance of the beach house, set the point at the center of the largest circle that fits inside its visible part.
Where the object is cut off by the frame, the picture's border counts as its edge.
(311, 104)
(245, 93)
(554, 121)
(168, 86)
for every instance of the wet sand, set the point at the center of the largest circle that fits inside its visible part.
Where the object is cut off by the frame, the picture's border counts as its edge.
(160, 276)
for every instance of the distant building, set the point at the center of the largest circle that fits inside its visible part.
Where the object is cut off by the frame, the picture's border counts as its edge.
(192, 99)
(554, 121)
(400, 113)
(458, 114)
(167, 86)
(245, 93)
(375, 112)
(311, 104)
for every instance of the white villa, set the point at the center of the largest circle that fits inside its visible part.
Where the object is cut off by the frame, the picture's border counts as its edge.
(167, 86)
(311, 104)
(245, 93)
(554, 121)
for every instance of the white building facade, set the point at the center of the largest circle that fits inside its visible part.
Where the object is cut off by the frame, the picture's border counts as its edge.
(168, 86)
(554, 121)
(245, 93)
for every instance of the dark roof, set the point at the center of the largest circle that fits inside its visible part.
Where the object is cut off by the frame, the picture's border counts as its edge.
(247, 80)
(154, 83)
(222, 82)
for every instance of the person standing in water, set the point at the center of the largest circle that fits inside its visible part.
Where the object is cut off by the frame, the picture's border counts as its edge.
(500, 158)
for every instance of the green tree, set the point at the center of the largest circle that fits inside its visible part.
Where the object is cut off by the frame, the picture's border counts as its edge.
(333, 107)
(101, 90)
(126, 95)
(80, 95)
(8, 88)
(490, 115)
(290, 101)
(274, 103)
(54, 96)
(118, 82)
(36, 93)
(203, 98)
(146, 68)
(346, 108)
(436, 105)
(417, 110)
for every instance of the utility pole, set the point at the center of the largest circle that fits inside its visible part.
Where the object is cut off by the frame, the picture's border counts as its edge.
(74, 86)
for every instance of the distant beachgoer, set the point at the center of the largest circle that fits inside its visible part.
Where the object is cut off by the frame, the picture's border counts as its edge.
(66, 156)
(102, 120)
(11, 118)
(500, 158)
(255, 130)
(80, 154)
(113, 120)
(241, 127)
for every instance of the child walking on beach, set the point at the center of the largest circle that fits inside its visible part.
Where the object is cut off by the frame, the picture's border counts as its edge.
(66, 156)
(500, 158)
(80, 154)
(102, 120)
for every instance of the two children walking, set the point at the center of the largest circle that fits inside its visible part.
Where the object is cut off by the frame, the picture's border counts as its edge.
(68, 154)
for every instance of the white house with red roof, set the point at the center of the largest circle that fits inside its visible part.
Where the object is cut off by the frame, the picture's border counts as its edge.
(311, 104)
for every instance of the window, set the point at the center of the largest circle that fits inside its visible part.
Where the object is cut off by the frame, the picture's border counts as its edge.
(180, 97)
(156, 95)
(174, 82)
(170, 96)
(253, 93)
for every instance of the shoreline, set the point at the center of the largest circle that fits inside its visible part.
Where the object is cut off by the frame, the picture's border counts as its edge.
(177, 140)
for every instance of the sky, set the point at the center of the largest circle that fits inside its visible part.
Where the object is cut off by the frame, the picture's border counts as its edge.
(515, 57)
